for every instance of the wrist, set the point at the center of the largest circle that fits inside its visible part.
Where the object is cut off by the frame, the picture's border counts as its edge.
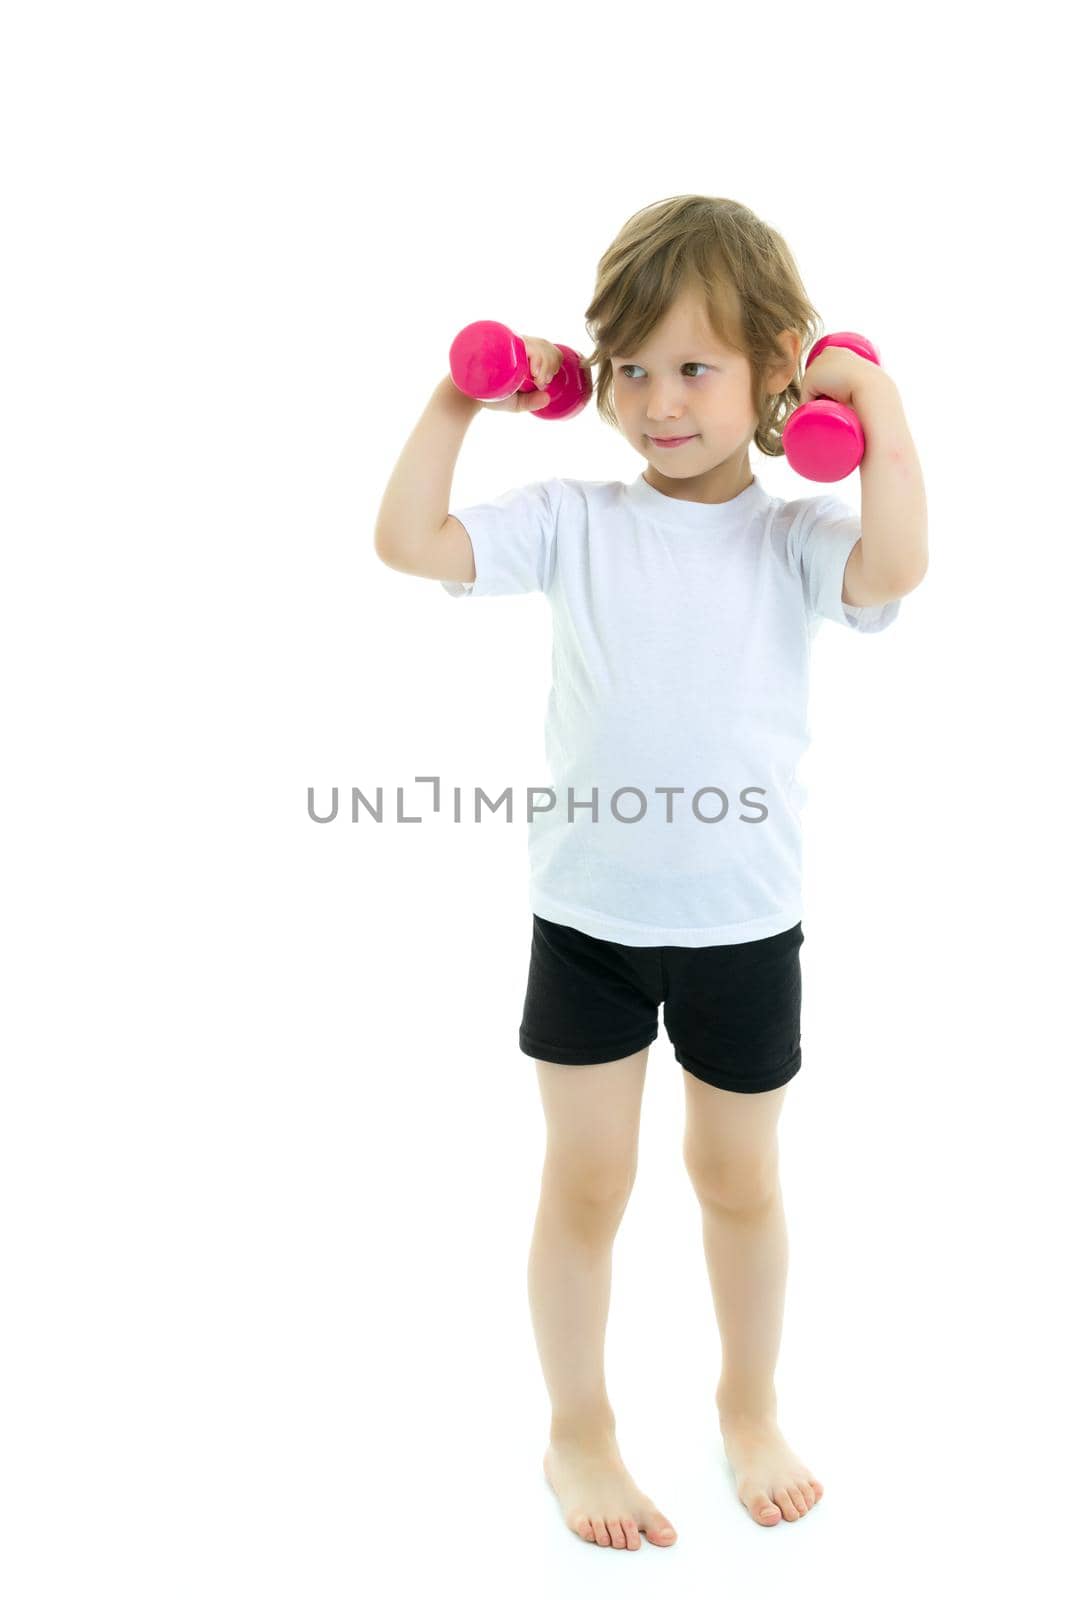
(874, 380)
(876, 399)
(463, 404)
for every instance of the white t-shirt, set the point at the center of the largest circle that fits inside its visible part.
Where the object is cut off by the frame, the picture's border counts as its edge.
(680, 656)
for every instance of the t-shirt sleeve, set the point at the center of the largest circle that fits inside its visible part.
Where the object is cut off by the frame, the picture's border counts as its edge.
(821, 538)
(514, 541)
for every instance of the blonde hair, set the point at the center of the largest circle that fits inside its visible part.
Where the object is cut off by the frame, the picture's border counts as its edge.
(746, 274)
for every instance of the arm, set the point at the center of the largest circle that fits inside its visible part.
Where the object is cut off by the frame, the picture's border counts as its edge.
(414, 532)
(890, 558)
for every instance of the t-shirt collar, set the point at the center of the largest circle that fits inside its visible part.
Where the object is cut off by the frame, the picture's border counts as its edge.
(666, 509)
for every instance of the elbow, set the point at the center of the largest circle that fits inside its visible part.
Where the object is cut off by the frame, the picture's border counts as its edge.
(912, 579)
(901, 582)
(386, 549)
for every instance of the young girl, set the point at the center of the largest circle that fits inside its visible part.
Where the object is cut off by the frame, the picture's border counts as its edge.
(666, 868)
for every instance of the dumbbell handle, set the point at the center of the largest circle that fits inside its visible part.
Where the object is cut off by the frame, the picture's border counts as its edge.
(823, 439)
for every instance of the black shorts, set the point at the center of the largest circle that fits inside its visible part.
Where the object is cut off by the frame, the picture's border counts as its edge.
(732, 1011)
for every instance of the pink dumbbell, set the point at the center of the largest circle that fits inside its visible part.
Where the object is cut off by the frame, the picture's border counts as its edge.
(823, 439)
(489, 362)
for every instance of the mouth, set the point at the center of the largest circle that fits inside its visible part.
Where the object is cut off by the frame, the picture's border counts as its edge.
(672, 441)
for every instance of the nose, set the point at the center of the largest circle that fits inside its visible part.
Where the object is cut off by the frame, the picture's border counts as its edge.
(662, 407)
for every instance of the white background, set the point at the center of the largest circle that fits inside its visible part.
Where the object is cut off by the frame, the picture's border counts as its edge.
(269, 1152)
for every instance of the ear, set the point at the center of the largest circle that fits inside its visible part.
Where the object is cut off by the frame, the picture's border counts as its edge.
(789, 342)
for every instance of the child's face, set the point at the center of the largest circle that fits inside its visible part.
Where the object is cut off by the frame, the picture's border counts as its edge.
(659, 392)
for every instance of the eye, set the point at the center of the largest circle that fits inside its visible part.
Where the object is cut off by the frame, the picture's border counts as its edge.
(631, 365)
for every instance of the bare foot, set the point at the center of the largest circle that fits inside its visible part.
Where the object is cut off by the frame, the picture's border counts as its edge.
(771, 1481)
(599, 1499)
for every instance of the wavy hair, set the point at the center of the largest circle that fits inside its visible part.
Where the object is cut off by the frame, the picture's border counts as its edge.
(735, 261)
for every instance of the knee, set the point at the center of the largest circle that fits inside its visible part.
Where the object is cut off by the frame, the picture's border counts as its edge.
(593, 1192)
(734, 1183)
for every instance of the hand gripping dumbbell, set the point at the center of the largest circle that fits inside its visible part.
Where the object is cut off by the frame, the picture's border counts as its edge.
(822, 439)
(489, 362)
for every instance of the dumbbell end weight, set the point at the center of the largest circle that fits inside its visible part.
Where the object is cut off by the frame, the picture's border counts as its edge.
(485, 359)
(823, 441)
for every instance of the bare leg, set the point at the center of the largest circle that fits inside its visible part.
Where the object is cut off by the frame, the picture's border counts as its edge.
(569, 1279)
(747, 1253)
(592, 1114)
(732, 1158)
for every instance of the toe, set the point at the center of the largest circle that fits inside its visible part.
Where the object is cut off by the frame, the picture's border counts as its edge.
(764, 1510)
(583, 1528)
(785, 1500)
(618, 1538)
(602, 1535)
(798, 1498)
(633, 1538)
(659, 1531)
(809, 1494)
